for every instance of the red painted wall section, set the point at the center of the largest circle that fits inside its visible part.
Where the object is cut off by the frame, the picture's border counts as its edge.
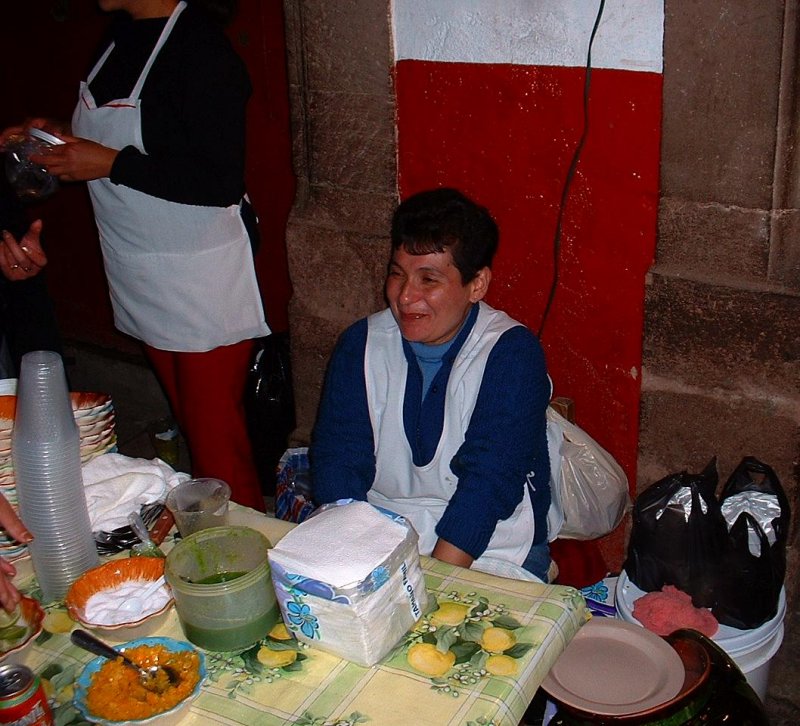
(505, 135)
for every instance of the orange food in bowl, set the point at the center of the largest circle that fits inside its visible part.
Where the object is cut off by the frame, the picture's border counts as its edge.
(115, 692)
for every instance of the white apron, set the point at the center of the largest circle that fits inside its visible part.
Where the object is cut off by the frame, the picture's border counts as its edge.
(181, 276)
(421, 493)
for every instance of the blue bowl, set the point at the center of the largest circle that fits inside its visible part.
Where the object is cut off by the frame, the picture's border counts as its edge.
(173, 716)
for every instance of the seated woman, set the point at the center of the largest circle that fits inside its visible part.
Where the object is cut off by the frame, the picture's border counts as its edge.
(435, 407)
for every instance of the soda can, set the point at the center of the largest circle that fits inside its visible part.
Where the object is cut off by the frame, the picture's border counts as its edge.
(22, 699)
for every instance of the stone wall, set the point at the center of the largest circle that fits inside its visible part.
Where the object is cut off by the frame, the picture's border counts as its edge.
(721, 360)
(343, 125)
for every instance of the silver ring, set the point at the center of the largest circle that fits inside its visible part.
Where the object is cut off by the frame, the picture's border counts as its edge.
(14, 267)
(27, 269)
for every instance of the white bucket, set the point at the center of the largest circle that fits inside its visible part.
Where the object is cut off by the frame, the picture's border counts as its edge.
(755, 664)
(751, 650)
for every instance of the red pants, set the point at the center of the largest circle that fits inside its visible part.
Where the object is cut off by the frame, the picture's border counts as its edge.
(206, 392)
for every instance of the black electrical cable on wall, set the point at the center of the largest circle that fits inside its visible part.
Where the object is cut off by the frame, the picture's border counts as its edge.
(571, 173)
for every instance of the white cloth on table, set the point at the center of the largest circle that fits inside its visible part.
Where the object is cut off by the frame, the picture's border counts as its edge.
(116, 485)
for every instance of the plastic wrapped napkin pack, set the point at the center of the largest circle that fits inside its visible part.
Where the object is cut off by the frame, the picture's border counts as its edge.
(348, 580)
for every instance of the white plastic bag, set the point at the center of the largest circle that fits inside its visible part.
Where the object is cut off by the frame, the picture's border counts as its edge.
(587, 484)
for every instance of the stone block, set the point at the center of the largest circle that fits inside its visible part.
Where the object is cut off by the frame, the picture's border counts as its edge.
(713, 239)
(785, 252)
(348, 46)
(352, 140)
(720, 107)
(312, 341)
(335, 275)
(683, 428)
(709, 335)
(350, 210)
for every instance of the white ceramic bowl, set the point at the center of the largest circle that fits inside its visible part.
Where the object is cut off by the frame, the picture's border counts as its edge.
(114, 574)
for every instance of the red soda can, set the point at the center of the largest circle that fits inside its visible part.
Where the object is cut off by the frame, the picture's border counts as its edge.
(22, 699)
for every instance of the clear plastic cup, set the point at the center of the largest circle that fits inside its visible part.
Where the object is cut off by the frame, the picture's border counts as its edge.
(47, 470)
(44, 415)
(29, 179)
(198, 504)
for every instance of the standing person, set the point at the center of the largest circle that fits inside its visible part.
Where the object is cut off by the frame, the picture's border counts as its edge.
(159, 134)
(435, 407)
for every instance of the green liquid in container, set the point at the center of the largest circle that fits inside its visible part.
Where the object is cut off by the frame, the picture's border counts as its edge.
(219, 577)
(236, 637)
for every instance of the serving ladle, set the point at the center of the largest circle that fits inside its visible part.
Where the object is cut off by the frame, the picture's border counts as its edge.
(155, 678)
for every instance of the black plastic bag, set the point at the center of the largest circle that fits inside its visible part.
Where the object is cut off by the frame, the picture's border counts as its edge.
(750, 583)
(269, 406)
(666, 548)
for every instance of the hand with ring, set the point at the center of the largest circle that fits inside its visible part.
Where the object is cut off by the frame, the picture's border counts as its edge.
(25, 258)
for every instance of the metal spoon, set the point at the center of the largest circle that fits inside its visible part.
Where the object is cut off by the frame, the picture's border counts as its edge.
(148, 677)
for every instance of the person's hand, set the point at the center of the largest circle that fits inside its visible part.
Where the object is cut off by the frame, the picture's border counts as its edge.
(23, 259)
(77, 159)
(9, 595)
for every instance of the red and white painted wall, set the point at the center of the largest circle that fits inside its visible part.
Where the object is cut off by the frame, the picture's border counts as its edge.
(490, 100)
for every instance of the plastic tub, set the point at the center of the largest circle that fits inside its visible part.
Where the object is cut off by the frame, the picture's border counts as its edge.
(222, 584)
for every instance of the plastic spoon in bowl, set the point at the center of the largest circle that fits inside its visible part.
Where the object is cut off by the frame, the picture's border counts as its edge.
(135, 605)
(155, 678)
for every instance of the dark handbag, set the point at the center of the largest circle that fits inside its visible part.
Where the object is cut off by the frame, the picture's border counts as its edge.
(269, 406)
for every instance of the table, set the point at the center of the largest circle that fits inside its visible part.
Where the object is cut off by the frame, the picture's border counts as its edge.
(283, 682)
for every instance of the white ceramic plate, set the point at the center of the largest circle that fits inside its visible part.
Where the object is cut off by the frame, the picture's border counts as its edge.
(614, 668)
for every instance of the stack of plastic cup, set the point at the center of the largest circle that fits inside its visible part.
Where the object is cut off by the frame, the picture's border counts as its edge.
(47, 467)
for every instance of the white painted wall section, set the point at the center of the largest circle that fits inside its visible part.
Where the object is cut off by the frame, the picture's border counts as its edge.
(531, 32)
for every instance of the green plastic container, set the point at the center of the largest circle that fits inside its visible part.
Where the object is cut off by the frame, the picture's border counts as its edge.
(221, 581)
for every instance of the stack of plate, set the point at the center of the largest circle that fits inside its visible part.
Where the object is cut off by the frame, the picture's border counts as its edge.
(94, 415)
(612, 669)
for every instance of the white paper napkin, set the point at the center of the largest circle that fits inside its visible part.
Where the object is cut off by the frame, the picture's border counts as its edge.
(341, 545)
(116, 485)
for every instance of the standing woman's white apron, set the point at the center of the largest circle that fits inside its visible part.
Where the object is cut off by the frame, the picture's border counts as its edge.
(181, 276)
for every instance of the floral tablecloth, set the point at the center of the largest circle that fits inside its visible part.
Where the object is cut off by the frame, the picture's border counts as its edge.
(477, 658)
